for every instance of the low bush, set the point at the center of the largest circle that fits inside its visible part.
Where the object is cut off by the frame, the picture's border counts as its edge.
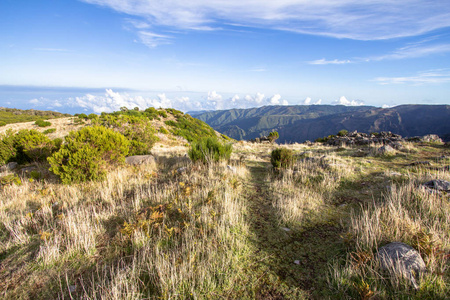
(273, 136)
(2, 123)
(50, 130)
(342, 132)
(282, 158)
(25, 146)
(208, 150)
(42, 123)
(88, 154)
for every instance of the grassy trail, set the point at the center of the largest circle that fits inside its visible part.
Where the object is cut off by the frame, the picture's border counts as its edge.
(294, 264)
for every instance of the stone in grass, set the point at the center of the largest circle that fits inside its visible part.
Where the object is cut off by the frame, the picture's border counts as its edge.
(140, 159)
(386, 149)
(232, 169)
(402, 260)
(438, 185)
(9, 166)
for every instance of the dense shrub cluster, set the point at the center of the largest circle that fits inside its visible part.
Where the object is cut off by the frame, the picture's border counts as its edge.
(88, 154)
(25, 146)
(282, 158)
(42, 123)
(208, 150)
(13, 115)
(190, 128)
(135, 126)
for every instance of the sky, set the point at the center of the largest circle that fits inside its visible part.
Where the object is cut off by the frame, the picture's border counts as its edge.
(99, 55)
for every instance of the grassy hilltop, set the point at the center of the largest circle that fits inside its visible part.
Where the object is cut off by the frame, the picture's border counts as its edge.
(235, 228)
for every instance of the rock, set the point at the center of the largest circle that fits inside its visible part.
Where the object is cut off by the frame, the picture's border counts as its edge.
(232, 169)
(286, 229)
(396, 145)
(438, 184)
(402, 259)
(9, 166)
(420, 163)
(386, 149)
(28, 170)
(431, 138)
(72, 288)
(140, 159)
(181, 170)
(297, 262)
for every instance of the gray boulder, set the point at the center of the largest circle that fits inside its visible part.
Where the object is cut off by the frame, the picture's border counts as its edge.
(9, 166)
(140, 159)
(438, 184)
(402, 260)
(386, 149)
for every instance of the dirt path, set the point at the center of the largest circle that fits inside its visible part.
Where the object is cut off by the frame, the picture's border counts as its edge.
(295, 263)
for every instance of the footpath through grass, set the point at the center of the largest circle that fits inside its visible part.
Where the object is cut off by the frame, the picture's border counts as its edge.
(292, 263)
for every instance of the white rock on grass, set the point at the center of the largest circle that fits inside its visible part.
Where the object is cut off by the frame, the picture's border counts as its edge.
(140, 159)
(402, 260)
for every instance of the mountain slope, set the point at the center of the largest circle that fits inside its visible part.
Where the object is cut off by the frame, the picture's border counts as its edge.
(300, 123)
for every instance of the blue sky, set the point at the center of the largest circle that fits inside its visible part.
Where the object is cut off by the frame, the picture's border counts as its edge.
(99, 55)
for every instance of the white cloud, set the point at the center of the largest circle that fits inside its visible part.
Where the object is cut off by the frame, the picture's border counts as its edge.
(344, 101)
(308, 101)
(34, 101)
(412, 51)
(214, 96)
(355, 19)
(284, 102)
(275, 100)
(428, 77)
(323, 61)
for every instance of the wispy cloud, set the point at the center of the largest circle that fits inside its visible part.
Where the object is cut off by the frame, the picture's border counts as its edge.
(354, 19)
(153, 40)
(428, 77)
(323, 61)
(412, 51)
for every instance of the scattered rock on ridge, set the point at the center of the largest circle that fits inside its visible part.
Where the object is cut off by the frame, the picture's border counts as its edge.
(402, 259)
(140, 159)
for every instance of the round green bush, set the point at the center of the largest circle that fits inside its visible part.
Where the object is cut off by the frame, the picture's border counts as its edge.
(2, 123)
(31, 145)
(88, 154)
(208, 150)
(282, 158)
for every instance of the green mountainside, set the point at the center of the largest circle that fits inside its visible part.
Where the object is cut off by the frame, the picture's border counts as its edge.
(309, 122)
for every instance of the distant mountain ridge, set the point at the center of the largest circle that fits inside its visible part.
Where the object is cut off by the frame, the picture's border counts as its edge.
(309, 122)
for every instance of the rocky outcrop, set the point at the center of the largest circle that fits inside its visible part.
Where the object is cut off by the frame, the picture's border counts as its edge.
(402, 260)
(360, 139)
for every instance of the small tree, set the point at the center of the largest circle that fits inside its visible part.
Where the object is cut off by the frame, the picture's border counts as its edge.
(343, 132)
(273, 136)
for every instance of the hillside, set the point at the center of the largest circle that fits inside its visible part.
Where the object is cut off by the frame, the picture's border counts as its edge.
(237, 229)
(14, 115)
(300, 123)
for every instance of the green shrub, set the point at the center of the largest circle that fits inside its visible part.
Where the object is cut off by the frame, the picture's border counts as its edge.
(343, 132)
(7, 150)
(82, 116)
(50, 130)
(88, 154)
(42, 123)
(2, 123)
(10, 179)
(163, 130)
(208, 150)
(31, 145)
(282, 158)
(92, 116)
